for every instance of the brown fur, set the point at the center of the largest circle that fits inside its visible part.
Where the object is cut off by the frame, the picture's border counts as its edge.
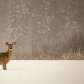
(6, 56)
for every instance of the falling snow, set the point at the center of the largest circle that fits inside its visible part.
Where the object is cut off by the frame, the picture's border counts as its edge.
(52, 20)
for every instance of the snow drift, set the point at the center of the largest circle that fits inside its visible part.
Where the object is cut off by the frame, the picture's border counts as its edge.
(43, 72)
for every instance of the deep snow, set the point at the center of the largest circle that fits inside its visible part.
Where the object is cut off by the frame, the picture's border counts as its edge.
(43, 72)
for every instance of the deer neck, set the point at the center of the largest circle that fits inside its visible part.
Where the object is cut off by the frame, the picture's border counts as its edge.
(9, 53)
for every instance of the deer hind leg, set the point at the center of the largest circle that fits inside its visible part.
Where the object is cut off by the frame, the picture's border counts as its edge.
(4, 66)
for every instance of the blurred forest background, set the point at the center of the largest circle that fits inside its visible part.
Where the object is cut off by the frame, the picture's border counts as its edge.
(43, 29)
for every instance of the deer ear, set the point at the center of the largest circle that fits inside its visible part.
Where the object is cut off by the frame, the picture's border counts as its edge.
(14, 43)
(7, 43)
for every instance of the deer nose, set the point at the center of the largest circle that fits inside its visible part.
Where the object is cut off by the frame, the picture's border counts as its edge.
(10, 48)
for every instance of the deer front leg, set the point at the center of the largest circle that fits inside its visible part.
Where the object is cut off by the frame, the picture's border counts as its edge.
(4, 66)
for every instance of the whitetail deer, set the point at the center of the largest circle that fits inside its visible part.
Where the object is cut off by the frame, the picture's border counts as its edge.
(6, 56)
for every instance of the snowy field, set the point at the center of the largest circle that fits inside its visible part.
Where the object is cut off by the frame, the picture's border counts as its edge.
(43, 72)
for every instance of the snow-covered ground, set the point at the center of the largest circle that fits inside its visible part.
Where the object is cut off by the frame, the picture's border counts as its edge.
(43, 72)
